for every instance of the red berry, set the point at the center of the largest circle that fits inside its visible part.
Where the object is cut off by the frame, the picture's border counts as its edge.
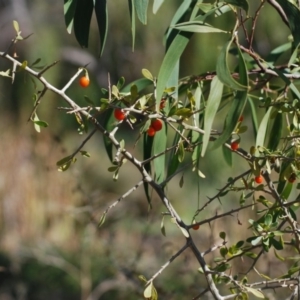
(157, 125)
(151, 131)
(162, 103)
(292, 178)
(241, 119)
(259, 179)
(84, 81)
(196, 226)
(235, 146)
(119, 114)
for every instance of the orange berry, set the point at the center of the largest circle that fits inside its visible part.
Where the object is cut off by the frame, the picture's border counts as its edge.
(84, 81)
(157, 125)
(119, 114)
(196, 226)
(235, 146)
(151, 131)
(259, 179)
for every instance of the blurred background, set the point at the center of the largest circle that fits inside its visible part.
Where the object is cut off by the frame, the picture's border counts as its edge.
(51, 247)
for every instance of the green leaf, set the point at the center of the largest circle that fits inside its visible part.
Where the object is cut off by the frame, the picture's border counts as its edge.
(150, 292)
(227, 154)
(147, 74)
(261, 134)
(41, 123)
(69, 12)
(180, 12)
(16, 26)
(173, 157)
(169, 62)
(5, 74)
(102, 20)
(287, 190)
(239, 3)
(268, 220)
(278, 256)
(253, 116)
(197, 27)
(64, 160)
(156, 5)
(223, 70)
(237, 105)
(255, 292)
(159, 145)
(141, 84)
(141, 7)
(84, 153)
(132, 18)
(102, 220)
(82, 20)
(222, 235)
(181, 152)
(275, 134)
(293, 16)
(147, 151)
(214, 98)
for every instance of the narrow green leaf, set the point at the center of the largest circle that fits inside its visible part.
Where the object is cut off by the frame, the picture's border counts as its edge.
(293, 16)
(253, 117)
(180, 12)
(278, 256)
(159, 145)
(181, 152)
(173, 162)
(132, 18)
(255, 292)
(141, 7)
(198, 28)
(156, 5)
(147, 151)
(287, 190)
(214, 98)
(227, 154)
(196, 135)
(277, 52)
(169, 62)
(237, 105)
(275, 134)
(82, 20)
(69, 12)
(261, 134)
(102, 20)
(102, 220)
(223, 70)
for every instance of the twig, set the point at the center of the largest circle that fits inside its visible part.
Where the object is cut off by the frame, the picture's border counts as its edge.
(167, 263)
